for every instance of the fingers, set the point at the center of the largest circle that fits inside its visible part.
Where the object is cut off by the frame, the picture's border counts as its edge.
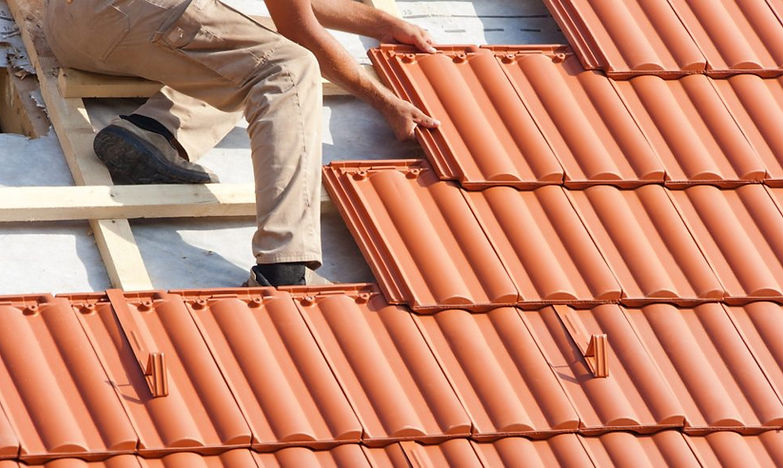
(424, 42)
(425, 120)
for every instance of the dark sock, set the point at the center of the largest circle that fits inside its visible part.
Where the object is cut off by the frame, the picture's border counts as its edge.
(152, 125)
(280, 274)
(149, 124)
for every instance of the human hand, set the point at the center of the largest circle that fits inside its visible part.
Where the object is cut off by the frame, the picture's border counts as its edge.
(403, 117)
(406, 33)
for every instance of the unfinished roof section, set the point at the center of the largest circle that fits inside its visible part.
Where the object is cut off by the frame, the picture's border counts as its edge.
(674, 37)
(526, 116)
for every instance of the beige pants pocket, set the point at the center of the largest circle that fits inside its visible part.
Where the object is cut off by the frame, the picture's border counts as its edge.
(221, 39)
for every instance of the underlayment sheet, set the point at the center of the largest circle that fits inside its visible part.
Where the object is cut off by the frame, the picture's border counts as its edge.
(215, 252)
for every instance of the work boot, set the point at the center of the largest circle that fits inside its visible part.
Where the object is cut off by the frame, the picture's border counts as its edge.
(137, 155)
(277, 274)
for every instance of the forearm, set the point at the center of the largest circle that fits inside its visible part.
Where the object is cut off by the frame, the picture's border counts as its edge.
(353, 17)
(303, 21)
(339, 67)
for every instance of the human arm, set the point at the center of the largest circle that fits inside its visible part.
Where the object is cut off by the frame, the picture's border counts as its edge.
(301, 22)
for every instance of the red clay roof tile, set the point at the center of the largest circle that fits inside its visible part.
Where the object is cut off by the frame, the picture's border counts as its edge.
(544, 245)
(200, 412)
(496, 368)
(632, 397)
(625, 133)
(647, 245)
(708, 367)
(236, 457)
(735, 35)
(692, 130)
(385, 367)
(675, 37)
(53, 387)
(757, 106)
(665, 448)
(761, 326)
(739, 233)
(582, 117)
(423, 242)
(351, 455)
(559, 450)
(731, 449)
(261, 339)
(557, 245)
(488, 138)
(9, 443)
(426, 378)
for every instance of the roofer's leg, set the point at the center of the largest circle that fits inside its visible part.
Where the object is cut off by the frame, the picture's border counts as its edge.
(195, 125)
(216, 55)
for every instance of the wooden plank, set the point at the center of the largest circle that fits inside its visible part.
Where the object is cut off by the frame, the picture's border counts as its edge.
(389, 6)
(125, 202)
(114, 237)
(81, 84)
(19, 113)
(35, 204)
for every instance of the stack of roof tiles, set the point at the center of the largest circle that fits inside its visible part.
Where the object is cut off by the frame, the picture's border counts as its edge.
(588, 271)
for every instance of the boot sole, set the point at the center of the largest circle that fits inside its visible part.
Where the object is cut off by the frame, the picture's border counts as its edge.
(131, 160)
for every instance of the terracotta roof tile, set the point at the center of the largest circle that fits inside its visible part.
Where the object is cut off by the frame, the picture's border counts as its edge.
(236, 457)
(582, 117)
(739, 233)
(53, 387)
(665, 448)
(553, 245)
(544, 246)
(632, 397)
(488, 138)
(757, 106)
(450, 453)
(647, 245)
(735, 35)
(761, 326)
(731, 449)
(625, 133)
(352, 455)
(261, 339)
(199, 412)
(390, 376)
(494, 364)
(674, 37)
(9, 443)
(692, 130)
(708, 366)
(419, 236)
(118, 461)
(559, 450)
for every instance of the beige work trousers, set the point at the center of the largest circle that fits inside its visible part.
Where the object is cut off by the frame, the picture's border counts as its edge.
(216, 64)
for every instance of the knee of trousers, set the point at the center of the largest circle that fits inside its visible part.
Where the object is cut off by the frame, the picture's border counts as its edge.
(302, 65)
